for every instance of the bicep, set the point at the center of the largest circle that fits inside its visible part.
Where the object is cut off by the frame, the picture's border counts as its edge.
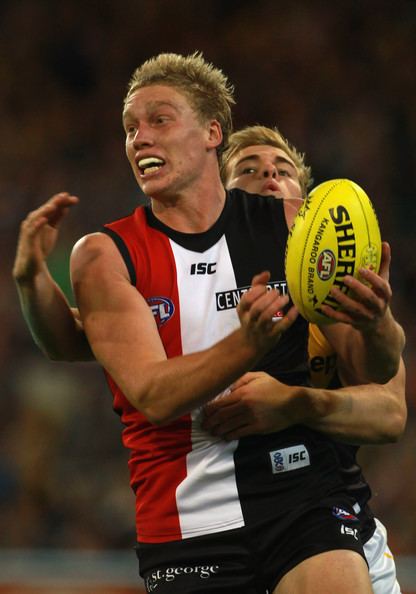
(117, 320)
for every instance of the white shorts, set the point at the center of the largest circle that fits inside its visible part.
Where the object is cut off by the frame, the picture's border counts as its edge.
(381, 562)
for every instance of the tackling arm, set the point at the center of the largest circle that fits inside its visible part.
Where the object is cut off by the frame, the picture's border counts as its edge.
(258, 403)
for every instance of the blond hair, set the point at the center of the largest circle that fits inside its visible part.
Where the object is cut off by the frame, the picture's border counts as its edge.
(206, 87)
(257, 135)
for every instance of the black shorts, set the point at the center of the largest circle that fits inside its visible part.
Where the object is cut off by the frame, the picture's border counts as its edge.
(252, 559)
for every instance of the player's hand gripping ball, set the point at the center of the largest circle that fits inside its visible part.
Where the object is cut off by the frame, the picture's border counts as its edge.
(335, 233)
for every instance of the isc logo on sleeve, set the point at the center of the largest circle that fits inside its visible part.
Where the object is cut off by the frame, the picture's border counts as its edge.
(289, 459)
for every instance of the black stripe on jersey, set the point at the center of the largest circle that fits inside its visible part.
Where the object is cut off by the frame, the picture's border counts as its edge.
(195, 242)
(124, 253)
(256, 237)
(256, 233)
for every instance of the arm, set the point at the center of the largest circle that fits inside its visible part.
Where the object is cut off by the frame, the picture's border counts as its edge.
(122, 333)
(259, 403)
(369, 341)
(55, 327)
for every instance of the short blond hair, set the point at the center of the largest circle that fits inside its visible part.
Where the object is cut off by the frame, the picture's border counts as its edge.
(205, 86)
(258, 135)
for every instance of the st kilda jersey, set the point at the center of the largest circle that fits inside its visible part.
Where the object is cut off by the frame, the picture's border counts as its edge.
(187, 482)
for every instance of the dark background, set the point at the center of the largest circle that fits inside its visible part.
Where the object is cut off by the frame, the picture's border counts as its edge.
(339, 80)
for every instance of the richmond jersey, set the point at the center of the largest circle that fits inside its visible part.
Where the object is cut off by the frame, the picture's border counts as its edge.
(187, 482)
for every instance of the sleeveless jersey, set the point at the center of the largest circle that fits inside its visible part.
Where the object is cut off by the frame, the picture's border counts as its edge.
(187, 482)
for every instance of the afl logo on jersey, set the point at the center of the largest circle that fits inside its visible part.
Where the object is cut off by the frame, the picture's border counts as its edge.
(162, 309)
(343, 514)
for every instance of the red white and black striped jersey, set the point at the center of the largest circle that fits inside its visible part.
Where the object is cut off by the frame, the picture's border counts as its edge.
(188, 483)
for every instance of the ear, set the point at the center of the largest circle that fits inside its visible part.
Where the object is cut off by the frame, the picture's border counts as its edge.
(214, 134)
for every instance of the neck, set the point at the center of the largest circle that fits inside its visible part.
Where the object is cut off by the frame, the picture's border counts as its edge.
(193, 210)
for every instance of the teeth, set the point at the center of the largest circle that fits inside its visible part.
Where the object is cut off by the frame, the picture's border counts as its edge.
(153, 161)
(151, 169)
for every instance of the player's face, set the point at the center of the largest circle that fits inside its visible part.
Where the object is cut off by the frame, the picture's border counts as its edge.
(166, 144)
(265, 170)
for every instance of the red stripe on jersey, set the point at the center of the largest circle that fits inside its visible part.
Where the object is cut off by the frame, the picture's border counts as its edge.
(158, 454)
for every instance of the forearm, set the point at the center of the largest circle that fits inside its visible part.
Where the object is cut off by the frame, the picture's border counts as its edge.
(166, 389)
(356, 414)
(50, 319)
(371, 356)
(382, 348)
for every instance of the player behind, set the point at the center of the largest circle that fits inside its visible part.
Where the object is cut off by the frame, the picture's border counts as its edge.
(262, 161)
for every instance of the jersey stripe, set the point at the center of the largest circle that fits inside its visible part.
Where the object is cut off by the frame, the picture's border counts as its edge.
(203, 506)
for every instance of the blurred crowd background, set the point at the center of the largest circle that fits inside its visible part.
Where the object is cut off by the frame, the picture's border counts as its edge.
(337, 78)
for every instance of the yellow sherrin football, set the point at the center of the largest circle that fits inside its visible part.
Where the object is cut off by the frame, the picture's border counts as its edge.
(335, 233)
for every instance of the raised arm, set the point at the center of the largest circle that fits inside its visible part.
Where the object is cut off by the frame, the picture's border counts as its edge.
(123, 335)
(55, 327)
(369, 342)
(258, 403)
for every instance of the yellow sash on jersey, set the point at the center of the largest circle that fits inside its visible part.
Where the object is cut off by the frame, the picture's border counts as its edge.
(322, 358)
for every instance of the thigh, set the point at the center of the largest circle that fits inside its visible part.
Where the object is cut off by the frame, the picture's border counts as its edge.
(381, 562)
(300, 541)
(340, 571)
(220, 563)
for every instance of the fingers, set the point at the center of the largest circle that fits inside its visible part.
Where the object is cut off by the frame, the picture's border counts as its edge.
(385, 261)
(365, 305)
(54, 209)
(261, 314)
(227, 418)
(261, 305)
(261, 302)
(368, 298)
(261, 279)
(283, 324)
(37, 237)
(245, 379)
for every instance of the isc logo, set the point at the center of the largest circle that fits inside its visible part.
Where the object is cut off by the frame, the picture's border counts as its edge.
(204, 268)
(349, 531)
(289, 459)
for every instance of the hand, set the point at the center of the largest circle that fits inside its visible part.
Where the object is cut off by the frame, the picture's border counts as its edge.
(38, 235)
(369, 302)
(256, 403)
(257, 312)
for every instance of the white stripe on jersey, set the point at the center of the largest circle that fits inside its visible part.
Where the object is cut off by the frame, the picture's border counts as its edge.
(207, 499)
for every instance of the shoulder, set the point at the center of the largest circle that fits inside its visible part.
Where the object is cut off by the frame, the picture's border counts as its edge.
(94, 253)
(93, 243)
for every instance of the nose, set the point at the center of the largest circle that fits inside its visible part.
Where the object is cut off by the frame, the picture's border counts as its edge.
(142, 137)
(270, 171)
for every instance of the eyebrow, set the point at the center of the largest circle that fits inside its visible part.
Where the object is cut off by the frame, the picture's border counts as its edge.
(255, 157)
(152, 106)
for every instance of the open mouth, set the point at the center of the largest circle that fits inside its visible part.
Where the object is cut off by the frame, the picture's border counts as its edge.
(150, 165)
